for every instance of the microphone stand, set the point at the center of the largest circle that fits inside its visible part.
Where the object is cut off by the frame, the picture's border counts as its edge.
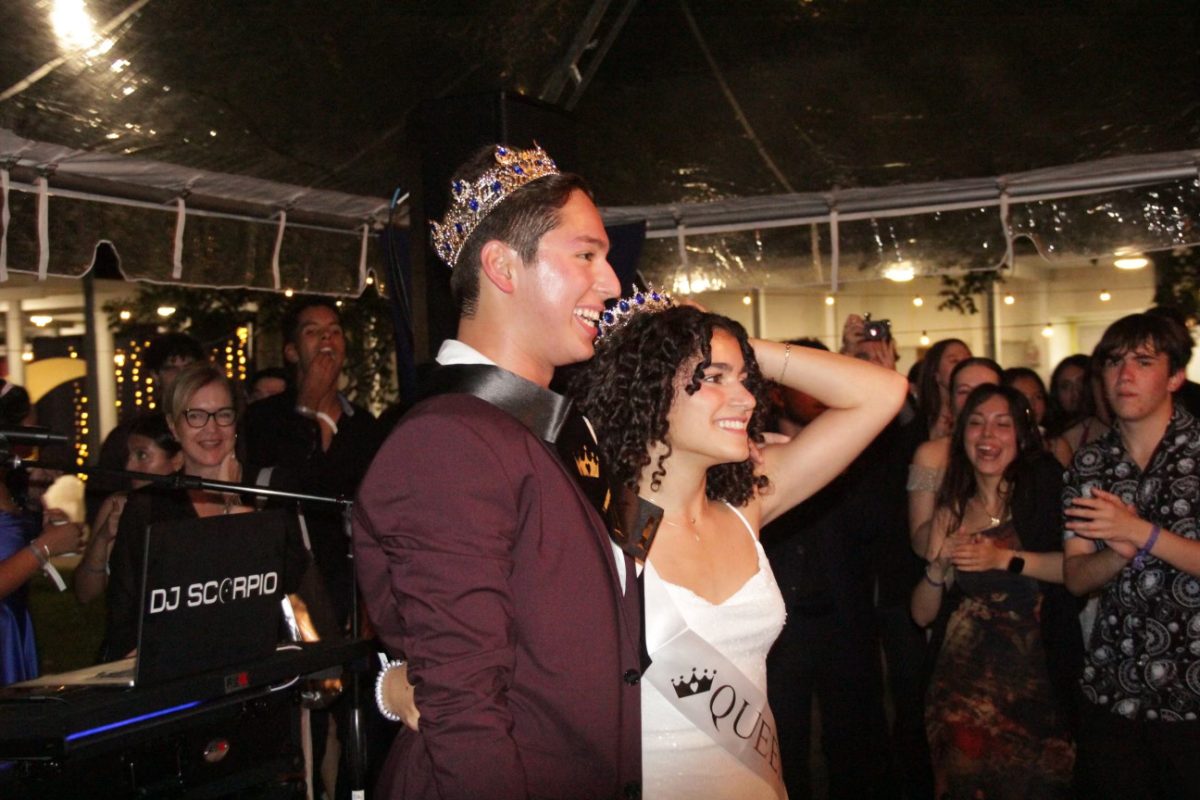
(355, 736)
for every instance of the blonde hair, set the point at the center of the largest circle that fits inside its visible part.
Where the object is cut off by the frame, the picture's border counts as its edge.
(191, 379)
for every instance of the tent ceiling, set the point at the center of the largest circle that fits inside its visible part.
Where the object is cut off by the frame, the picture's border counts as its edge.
(767, 109)
(847, 93)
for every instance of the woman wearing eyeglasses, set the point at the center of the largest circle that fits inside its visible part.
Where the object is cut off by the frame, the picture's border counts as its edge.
(202, 413)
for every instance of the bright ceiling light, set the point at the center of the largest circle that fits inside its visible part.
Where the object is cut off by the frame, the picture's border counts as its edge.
(1131, 262)
(166, 311)
(72, 25)
(1009, 299)
(829, 300)
(924, 339)
(1048, 331)
(900, 272)
(1105, 296)
(41, 320)
(747, 300)
(125, 314)
(918, 301)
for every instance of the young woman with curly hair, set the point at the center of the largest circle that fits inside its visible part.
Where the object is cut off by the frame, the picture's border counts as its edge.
(675, 398)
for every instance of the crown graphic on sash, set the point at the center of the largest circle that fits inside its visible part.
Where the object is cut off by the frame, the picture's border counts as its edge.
(697, 684)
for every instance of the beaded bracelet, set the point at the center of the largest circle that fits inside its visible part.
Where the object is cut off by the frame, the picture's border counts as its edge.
(388, 666)
(1139, 558)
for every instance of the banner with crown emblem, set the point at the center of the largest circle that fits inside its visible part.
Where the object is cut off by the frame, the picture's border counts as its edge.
(710, 690)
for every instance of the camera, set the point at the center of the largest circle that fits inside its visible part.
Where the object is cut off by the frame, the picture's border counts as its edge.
(876, 330)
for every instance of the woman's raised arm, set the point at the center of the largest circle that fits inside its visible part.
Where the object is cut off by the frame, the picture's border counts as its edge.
(862, 399)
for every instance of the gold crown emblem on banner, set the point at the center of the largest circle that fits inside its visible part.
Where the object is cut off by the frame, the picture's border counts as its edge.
(588, 464)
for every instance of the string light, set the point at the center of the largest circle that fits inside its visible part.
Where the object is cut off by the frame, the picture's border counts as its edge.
(924, 339)
(1009, 299)
(1105, 296)
(1048, 331)
(829, 300)
(918, 301)
(746, 299)
(166, 311)
(125, 315)
(288, 293)
(80, 404)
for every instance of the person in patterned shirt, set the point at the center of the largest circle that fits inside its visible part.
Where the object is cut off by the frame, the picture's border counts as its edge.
(1132, 502)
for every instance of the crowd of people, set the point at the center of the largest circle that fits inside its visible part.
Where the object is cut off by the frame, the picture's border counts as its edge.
(657, 574)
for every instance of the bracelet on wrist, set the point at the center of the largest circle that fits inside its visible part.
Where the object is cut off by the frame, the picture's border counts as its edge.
(40, 552)
(380, 703)
(929, 579)
(317, 416)
(787, 356)
(1139, 558)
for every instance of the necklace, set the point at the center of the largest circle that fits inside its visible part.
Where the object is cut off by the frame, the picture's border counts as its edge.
(993, 520)
(691, 526)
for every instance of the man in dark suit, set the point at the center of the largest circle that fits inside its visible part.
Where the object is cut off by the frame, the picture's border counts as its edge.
(480, 555)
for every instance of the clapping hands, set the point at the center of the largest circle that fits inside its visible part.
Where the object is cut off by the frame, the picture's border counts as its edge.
(1106, 517)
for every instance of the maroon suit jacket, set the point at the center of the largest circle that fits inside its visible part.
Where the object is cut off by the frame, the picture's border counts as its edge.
(484, 564)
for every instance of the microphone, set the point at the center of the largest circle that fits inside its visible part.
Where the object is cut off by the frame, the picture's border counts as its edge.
(31, 435)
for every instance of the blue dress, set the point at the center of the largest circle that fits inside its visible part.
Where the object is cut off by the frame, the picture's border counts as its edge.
(18, 650)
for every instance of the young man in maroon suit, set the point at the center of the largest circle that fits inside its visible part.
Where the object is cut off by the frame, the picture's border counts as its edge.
(479, 549)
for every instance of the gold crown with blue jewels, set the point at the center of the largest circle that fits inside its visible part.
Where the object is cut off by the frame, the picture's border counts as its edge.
(650, 301)
(471, 201)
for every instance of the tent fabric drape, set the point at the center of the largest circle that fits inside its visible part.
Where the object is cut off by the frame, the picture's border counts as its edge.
(170, 224)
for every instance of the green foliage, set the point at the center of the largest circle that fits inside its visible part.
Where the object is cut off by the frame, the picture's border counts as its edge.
(1177, 279)
(958, 291)
(213, 316)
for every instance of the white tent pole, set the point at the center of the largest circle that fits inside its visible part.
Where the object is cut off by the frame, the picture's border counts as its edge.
(4, 218)
(43, 227)
(180, 222)
(14, 339)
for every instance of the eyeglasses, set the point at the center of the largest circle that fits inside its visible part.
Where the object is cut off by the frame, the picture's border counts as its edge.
(198, 417)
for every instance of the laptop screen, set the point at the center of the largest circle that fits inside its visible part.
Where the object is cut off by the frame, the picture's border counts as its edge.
(210, 594)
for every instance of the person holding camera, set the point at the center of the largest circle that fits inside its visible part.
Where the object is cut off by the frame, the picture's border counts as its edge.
(881, 500)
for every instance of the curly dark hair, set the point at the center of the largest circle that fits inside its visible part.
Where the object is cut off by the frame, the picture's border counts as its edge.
(627, 389)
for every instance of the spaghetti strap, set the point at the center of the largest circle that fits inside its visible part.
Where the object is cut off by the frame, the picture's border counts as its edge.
(753, 534)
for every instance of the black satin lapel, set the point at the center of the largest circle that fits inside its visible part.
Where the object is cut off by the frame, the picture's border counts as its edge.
(630, 521)
(539, 409)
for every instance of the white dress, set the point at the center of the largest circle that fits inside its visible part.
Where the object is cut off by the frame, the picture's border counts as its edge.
(678, 759)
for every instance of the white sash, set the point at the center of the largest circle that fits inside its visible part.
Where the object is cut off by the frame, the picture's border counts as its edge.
(716, 697)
